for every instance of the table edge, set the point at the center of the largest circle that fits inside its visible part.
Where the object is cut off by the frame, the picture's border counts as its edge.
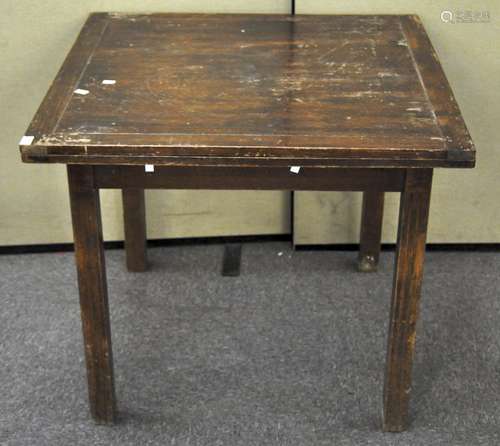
(458, 141)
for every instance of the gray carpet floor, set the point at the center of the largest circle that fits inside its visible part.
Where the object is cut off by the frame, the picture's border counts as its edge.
(290, 353)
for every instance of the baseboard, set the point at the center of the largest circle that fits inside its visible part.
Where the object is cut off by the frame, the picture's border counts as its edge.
(486, 247)
(66, 247)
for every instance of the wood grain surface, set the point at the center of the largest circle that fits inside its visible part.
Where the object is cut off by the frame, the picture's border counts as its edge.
(405, 302)
(94, 307)
(346, 90)
(370, 235)
(134, 223)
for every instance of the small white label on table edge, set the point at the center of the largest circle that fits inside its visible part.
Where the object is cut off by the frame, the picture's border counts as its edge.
(26, 140)
(82, 91)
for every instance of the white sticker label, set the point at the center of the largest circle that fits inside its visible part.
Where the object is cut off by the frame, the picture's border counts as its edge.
(108, 82)
(149, 167)
(82, 91)
(26, 140)
(295, 169)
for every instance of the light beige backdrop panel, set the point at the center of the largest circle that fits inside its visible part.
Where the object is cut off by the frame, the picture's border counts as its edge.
(34, 39)
(465, 204)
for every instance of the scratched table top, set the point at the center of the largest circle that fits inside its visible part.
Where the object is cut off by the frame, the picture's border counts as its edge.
(352, 90)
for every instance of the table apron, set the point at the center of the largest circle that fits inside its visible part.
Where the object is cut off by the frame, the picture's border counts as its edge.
(249, 178)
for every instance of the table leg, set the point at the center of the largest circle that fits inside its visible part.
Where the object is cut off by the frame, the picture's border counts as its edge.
(412, 231)
(89, 253)
(134, 216)
(371, 230)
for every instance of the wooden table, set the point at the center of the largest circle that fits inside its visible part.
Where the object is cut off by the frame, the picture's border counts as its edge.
(356, 103)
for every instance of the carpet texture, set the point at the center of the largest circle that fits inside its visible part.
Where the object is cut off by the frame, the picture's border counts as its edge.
(289, 353)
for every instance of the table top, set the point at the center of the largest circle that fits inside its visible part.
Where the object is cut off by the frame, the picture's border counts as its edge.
(200, 89)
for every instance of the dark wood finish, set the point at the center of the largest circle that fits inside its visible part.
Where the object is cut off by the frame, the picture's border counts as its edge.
(89, 253)
(134, 218)
(232, 102)
(352, 91)
(53, 105)
(212, 161)
(251, 178)
(412, 232)
(231, 263)
(372, 215)
(446, 110)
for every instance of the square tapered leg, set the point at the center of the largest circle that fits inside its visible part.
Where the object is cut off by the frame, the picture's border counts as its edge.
(89, 253)
(371, 230)
(412, 231)
(134, 216)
